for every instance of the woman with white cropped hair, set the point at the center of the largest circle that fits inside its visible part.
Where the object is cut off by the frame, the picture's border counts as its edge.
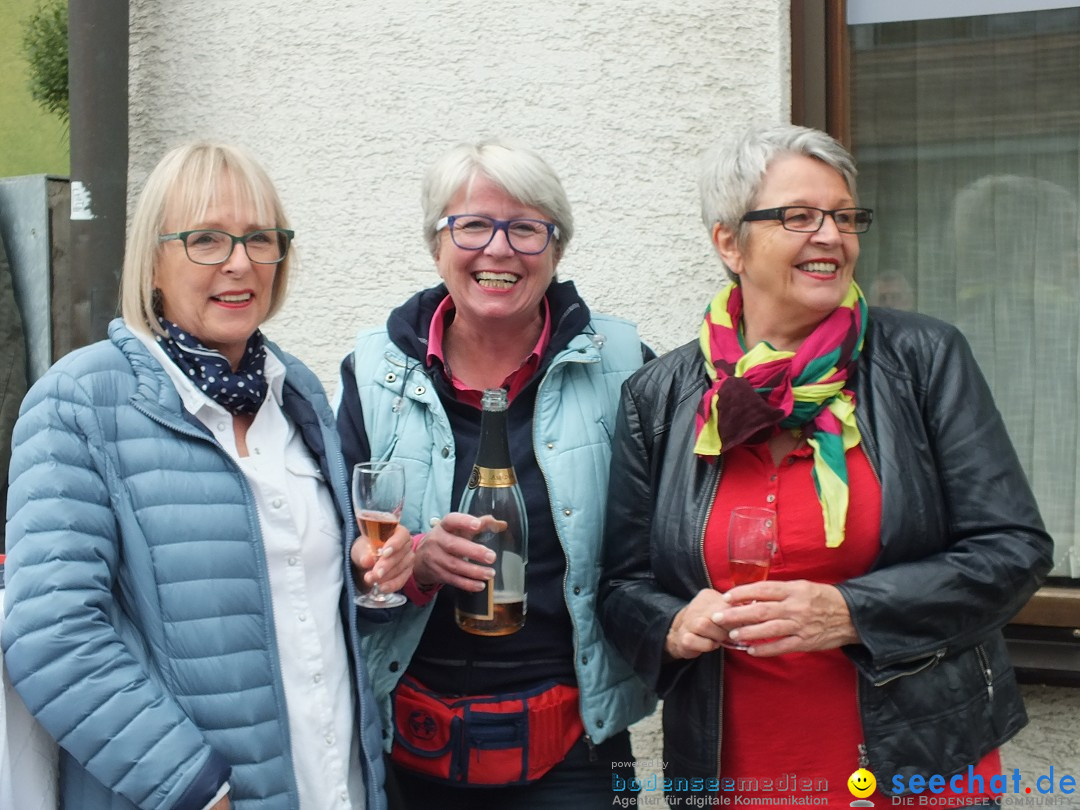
(906, 533)
(497, 221)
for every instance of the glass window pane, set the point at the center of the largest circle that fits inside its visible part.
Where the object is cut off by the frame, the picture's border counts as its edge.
(967, 134)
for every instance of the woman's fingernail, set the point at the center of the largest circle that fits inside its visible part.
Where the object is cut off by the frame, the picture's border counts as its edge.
(717, 617)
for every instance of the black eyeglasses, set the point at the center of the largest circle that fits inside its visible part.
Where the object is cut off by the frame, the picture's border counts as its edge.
(267, 246)
(475, 232)
(807, 219)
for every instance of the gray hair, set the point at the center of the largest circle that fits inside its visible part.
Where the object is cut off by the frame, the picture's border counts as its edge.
(732, 171)
(520, 171)
(181, 188)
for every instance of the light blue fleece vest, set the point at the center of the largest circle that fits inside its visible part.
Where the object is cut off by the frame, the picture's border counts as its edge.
(573, 424)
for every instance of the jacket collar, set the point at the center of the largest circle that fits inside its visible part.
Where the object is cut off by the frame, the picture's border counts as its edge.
(152, 384)
(156, 390)
(409, 324)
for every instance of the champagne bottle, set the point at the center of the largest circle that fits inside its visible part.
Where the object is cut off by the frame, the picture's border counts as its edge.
(499, 609)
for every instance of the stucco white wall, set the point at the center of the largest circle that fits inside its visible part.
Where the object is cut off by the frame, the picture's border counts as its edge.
(347, 101)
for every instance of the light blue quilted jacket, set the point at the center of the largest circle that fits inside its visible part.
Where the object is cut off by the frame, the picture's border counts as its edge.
(139, 627)
(572, 423)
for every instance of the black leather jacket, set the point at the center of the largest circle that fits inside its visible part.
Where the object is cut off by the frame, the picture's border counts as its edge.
(962, 549)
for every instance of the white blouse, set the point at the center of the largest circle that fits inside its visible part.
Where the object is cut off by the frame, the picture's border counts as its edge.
(303, 548)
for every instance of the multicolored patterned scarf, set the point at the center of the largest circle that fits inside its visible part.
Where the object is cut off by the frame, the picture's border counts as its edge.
(757, 393)
(240, 391)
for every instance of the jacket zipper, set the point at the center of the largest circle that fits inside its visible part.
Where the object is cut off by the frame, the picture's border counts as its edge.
(864, 756)
(714, 484)
(870, 451)
(560, 359)
(937, 656)
(988, 673)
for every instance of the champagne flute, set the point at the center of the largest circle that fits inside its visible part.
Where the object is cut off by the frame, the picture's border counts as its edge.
(378, 494)
(751, 541)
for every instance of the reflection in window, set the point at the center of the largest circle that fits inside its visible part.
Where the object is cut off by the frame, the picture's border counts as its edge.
(967, 134)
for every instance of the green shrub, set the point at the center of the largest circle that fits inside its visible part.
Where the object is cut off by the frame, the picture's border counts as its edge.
(45, 43)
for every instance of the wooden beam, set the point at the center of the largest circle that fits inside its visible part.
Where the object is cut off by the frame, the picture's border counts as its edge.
(1052, 606)
(838, 72)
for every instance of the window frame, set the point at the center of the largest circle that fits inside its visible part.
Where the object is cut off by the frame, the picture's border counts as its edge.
(821, 98)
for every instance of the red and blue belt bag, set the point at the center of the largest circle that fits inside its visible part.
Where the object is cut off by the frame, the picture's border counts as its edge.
(508, 739)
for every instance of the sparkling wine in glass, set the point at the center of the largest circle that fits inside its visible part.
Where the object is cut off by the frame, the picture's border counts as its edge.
(751, 542)
(378, 493)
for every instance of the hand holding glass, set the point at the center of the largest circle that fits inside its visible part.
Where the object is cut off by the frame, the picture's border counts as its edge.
(378, 493)
(751, 540)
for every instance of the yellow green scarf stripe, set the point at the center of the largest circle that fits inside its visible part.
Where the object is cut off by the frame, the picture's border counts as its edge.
(759, 391)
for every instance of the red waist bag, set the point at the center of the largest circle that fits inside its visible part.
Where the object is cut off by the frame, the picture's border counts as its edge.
(484, 740)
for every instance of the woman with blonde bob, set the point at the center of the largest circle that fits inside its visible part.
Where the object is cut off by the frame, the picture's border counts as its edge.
(179, 586)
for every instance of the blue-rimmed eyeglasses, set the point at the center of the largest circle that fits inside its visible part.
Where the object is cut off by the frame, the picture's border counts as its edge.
(208, 246)
(807, 219)
(475, 232)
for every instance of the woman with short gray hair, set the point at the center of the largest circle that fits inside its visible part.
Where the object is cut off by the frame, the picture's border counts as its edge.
(865, 639)
(536, 718)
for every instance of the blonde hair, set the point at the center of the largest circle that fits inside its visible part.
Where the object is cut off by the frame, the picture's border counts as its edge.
(183, 185)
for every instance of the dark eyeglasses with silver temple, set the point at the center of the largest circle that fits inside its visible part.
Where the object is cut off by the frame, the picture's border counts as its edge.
(210, 246)
(807, 219)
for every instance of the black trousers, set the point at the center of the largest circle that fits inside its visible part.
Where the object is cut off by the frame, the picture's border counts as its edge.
(582, 781)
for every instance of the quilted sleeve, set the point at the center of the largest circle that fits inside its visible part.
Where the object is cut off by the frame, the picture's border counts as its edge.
(64, 652)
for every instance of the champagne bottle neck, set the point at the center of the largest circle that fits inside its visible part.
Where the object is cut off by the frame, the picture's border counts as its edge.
(494, 450)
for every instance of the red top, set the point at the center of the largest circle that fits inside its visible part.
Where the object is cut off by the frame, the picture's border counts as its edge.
(794, 719)
(513, 384)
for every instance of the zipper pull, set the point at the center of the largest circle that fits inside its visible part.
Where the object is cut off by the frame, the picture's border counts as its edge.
(988, 673)
(864, 760)
(592, 748)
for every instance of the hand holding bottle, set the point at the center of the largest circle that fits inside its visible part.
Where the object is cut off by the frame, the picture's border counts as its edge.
(448, 555)
(499, 608)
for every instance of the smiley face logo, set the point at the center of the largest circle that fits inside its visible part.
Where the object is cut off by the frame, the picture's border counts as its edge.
(861, 783)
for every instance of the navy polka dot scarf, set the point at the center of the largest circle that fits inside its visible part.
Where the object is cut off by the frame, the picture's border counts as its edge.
(240, 391)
